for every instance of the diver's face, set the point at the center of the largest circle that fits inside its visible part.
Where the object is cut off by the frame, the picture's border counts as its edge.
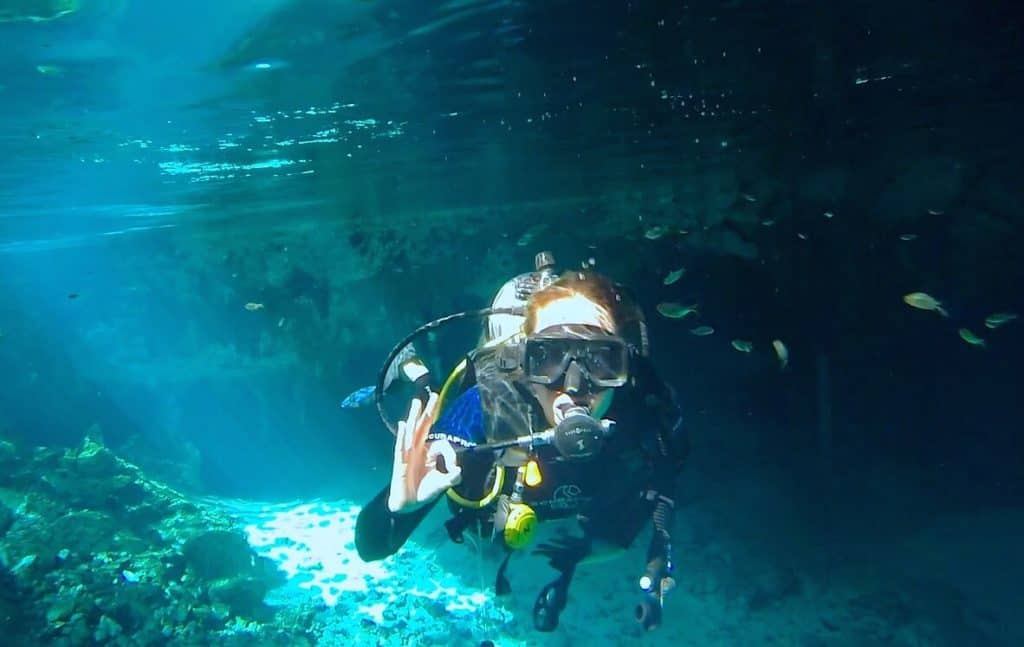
(596, 401)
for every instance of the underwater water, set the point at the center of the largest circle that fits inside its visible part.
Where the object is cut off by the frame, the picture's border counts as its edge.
(218, 218)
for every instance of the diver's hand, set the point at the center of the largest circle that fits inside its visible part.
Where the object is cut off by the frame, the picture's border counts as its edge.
(415, 476)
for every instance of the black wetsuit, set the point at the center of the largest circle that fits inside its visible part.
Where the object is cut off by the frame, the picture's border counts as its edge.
(614, 494)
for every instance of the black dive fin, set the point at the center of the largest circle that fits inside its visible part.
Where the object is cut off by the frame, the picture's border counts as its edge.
(550, 602)
(501, 583)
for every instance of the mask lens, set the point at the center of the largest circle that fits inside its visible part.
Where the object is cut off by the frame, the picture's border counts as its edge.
(546, 359)
(605, 362)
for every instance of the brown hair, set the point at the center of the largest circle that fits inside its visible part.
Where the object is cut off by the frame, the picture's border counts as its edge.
(626, 316)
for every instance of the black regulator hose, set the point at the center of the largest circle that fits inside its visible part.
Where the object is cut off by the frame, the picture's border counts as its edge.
(378, 392)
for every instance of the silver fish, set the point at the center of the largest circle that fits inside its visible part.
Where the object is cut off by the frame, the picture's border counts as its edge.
(781, 352)
(924, 301)
(971, 338)
(998, 319)
(742, 345)
(674, 276)
(674, 310)
(655, 232)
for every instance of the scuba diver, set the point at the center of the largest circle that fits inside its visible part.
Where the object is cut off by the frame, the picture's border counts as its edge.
(557, 413)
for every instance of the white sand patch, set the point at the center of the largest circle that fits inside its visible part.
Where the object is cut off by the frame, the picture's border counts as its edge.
(313, 543)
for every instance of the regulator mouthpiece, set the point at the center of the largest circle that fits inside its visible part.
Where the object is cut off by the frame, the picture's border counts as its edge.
(579, 436)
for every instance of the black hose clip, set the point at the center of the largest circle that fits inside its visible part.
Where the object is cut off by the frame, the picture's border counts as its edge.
(648, 612)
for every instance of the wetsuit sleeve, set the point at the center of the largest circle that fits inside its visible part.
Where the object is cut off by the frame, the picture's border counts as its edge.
(380, 532)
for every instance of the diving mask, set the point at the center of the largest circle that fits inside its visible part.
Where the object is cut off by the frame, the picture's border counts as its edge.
(600, 358)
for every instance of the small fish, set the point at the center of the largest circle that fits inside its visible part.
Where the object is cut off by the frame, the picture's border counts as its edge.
(359, 397)
(280, 322)
(742, 345)
(674, 276)
(768, 222)
(923, 301)
(73, 295)
(655, 232)
(702, 331)
(50, 70)
(829, 214)
(781, 352)
(748, 197)
(998, 319)
(971, 338)
(674, 310)
(908, 237)
(253, 306)
(801, 235)
(266, 65)
(24, 563)
(935, 212)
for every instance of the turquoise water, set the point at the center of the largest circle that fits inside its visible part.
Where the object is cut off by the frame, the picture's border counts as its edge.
(216, 219)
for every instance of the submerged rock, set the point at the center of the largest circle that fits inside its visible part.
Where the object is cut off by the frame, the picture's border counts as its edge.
(242, 595)
(219, 554)
(62, 607)
(106, 629)
(85, 531)
(98, 552)
(92, 459)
